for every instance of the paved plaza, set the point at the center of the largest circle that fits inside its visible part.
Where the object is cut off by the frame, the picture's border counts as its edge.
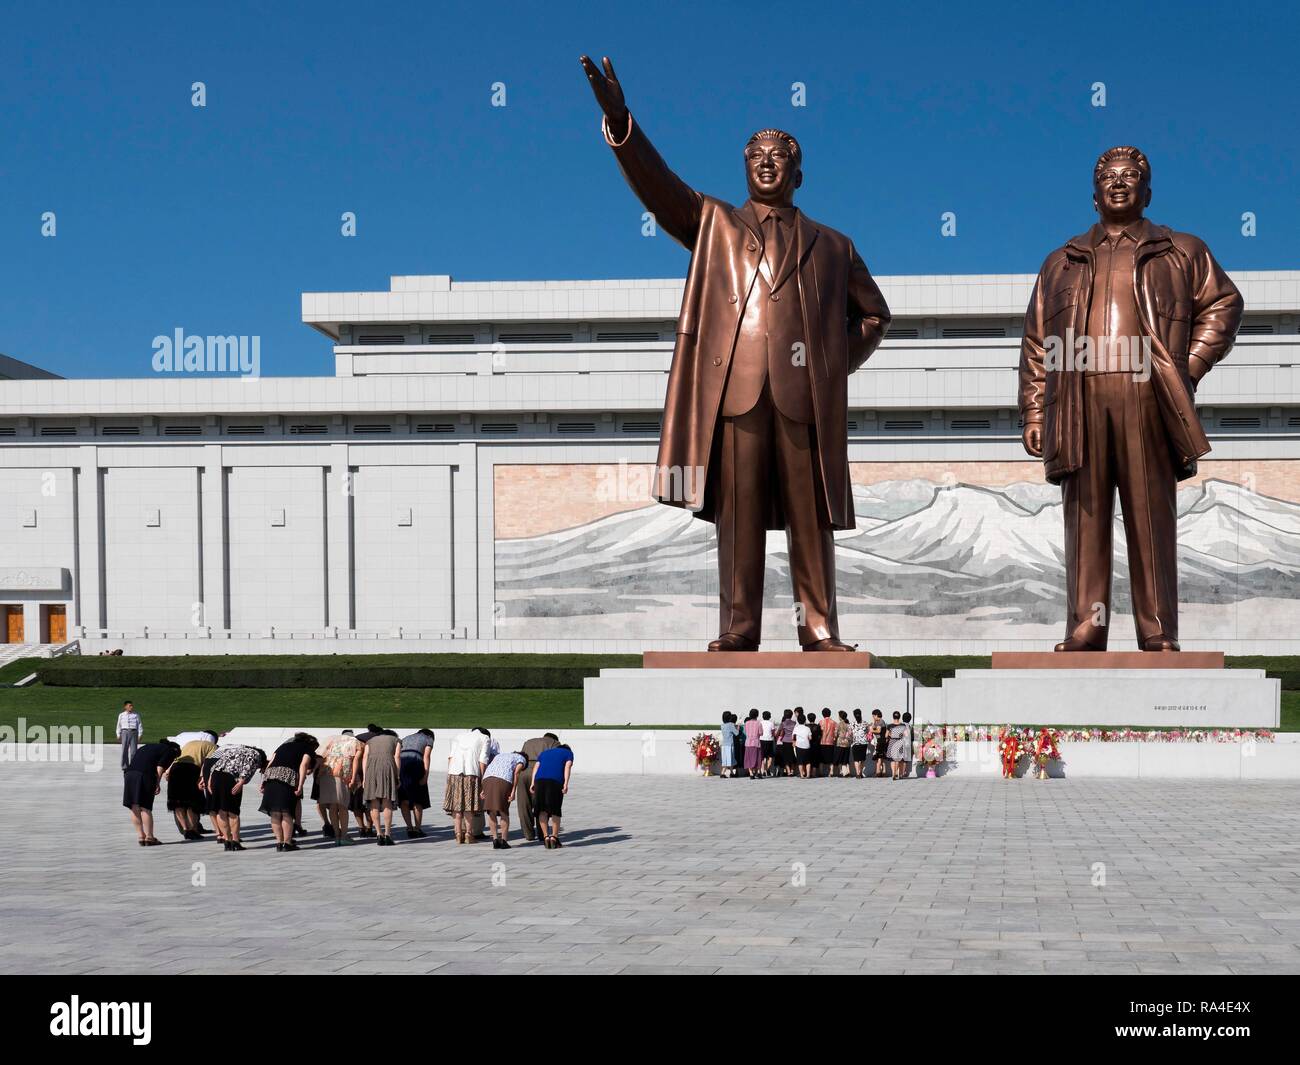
(680, 875)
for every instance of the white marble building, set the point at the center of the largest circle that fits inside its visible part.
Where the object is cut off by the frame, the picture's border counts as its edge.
(448, 488)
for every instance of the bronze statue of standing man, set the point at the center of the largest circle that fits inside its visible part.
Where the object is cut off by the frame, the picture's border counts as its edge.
(778, 310)
(1124, 322)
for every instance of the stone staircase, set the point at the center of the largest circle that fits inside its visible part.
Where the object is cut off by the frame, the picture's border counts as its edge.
(11, 652)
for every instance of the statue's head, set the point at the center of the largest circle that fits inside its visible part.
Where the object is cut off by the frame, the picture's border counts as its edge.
(773, 163)
(1121, 184)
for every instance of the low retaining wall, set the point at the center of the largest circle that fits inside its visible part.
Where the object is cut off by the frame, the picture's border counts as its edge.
(647, 751)
(665, 751)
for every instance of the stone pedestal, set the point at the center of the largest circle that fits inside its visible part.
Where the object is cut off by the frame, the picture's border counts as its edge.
(703, 685)
(1176, 696)
(1107, 659)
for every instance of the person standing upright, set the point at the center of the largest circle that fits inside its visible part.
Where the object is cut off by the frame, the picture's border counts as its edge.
(753, 745)
(829, 736)
(130, 730)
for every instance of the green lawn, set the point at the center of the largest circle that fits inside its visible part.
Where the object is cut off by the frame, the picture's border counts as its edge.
(167, 711)
(1290, 712)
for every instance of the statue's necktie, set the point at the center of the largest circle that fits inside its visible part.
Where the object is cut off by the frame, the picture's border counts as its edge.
(775, 242)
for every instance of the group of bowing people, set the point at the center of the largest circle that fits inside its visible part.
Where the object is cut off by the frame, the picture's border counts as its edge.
(357, 776)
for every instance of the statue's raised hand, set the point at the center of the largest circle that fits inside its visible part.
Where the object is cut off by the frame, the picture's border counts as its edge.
(609, 94)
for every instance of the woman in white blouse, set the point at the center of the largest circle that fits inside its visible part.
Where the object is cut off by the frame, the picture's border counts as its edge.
(465, 767)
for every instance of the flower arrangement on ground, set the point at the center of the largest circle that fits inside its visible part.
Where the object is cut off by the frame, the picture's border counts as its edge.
(1010, 751)
(1045, 751)
(707, 751)
(932, 754)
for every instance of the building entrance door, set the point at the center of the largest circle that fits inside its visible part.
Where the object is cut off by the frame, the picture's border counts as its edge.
(13, 624)
(57, 624)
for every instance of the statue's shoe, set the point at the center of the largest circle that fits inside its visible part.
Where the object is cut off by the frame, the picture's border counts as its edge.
(730, 641)
(1075, 644)
(1160, 643)
(831, 644)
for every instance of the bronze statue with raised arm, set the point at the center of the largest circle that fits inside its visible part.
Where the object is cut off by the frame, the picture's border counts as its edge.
(1124, 322)
(778, 310)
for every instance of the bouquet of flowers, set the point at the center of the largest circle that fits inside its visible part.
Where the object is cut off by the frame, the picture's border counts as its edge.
(1045, 750)
(706, 749)
(1010, 750)
(932, 753)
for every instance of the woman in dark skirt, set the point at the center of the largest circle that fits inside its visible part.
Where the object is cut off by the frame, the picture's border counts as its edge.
(141, 781)
(184, 799)
(282, 785)
(232, 768)
(880, 737)
(183, 796)
(209, 799)
(413, 782)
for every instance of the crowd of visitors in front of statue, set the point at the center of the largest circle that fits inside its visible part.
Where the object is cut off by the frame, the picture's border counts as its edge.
(358, 779)
(805, 745)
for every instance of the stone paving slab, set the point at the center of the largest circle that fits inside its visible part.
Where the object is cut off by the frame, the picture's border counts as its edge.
(680, 875)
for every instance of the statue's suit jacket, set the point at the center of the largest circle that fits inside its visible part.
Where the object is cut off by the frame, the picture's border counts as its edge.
(844, 314)
(1189, 308)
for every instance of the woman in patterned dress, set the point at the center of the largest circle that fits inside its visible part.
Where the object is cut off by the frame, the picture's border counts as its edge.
(339, 771)
(899, 751)
(859, 745)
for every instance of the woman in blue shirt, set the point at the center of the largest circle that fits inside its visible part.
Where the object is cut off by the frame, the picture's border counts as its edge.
(729, 731)
(550, 785)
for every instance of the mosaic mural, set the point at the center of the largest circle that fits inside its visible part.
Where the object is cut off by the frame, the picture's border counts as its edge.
(962, 551)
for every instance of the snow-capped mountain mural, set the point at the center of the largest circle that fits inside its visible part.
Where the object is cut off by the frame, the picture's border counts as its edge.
(928, 558)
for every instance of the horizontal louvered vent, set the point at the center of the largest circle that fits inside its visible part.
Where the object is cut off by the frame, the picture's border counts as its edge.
(499, 428)
(1255, 330)
(1239, 421)
(452, 338)
(535, 338)
(904, 425)
(372, 428)
(640, 337)
(58, 430)
(182, 430)
(435, 427)
(309, 429)
(641, 427)
(381, 338)
(977, 332)
(971, 423)
(570, 428)
(904, 334)
(119, 430)
(8, 430)
(245, 430)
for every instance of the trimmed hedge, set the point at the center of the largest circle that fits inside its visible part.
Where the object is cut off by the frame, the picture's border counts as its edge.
(438, 670)
(330, 671)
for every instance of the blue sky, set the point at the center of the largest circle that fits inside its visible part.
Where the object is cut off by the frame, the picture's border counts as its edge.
(214, 220)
